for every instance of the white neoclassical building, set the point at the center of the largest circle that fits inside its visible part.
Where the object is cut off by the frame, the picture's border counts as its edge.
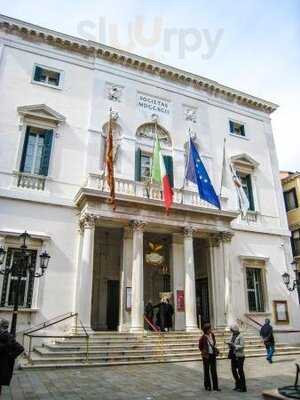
(56, 92)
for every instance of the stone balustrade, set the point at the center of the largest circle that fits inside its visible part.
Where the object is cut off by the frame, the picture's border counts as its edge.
(29, 181)
(146, 191)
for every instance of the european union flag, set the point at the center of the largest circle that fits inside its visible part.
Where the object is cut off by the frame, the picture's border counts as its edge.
(196, 173)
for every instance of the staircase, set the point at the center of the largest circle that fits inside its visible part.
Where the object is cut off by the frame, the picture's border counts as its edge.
(113, 348)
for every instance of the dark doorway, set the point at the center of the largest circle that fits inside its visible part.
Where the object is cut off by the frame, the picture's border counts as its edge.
(202, 300)
(112, 309)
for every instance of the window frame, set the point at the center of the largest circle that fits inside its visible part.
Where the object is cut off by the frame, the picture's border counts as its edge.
(243, 124)
(259, 297)
(59, 71)
(285, 195)
(6, 284)
(150, 156)
(24, 146)
(294, 246)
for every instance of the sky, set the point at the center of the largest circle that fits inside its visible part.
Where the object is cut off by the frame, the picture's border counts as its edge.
(250, 45)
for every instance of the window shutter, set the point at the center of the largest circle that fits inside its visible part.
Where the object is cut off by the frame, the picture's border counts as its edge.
(250, 191)
(231, 126)
(169, 168)
(242, 130)
(24, 149)
(46, 153)
(38, 73)
(138, 154)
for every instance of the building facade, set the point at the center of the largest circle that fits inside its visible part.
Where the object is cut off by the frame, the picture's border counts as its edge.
(57, 92)
(291, 191)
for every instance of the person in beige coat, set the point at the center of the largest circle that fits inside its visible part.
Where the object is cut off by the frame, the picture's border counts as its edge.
(237, 356)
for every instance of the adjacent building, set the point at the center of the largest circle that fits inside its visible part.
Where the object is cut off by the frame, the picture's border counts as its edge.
(56, 95)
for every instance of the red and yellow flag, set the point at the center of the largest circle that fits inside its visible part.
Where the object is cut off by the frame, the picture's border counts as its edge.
(110, 164)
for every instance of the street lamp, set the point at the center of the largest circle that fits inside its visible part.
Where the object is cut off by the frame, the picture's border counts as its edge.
(287, 279)
(22, 266)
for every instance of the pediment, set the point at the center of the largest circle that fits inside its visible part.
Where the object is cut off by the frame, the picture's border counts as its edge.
(41, 112)
(245, 160)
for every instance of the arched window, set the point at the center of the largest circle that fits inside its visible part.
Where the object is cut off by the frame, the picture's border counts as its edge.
(143, 159)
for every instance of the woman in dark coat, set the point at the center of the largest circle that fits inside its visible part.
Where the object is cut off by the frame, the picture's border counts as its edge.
(9, 350)
(209, 352)
(161, 315)
(169, 315)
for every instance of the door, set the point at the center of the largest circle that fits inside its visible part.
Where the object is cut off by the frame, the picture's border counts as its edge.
(202, 301)
(112, 308)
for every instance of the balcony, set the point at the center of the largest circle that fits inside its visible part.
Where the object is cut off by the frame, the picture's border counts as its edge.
(29, 181)
(142, 190)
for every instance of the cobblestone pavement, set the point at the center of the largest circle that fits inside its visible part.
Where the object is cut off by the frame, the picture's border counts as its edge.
(147, 382)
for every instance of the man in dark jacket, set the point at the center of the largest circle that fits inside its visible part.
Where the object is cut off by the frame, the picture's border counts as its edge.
(266, 333)
(9, 350)
(169, 315)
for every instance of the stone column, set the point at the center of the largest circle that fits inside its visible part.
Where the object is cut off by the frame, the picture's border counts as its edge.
(221, 279)
(178, 275)
(226, 239)
(189, 284)
(126, 265)
(85, 272)
(137, 306)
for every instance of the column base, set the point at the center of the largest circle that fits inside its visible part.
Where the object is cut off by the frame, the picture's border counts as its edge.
(192, 329)
(136, 329)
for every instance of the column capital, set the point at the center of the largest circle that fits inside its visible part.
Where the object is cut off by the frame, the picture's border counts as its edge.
(137, 225)
(87, 221)
(188, 231)
(214, 239)
(226, 236)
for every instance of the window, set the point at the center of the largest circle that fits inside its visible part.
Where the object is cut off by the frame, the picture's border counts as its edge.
(36, 151)
(237, 128)
(47, 76)
(143, 166)
(295, 239)
(10, 280)
(247, 186)
(255, 290)
(290, 199)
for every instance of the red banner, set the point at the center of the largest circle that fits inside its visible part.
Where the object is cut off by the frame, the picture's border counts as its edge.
(180, 300)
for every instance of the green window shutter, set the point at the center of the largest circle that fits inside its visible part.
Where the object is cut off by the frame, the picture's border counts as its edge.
(242, 130)
(169, 168)
(24, 149)
(250, 193)
(231, 126)
(46, 152)
(138, 154)
(38, 73)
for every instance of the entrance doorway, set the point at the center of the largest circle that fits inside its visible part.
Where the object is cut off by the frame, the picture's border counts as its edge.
(202, 301)
(106, 278)
(112, 308)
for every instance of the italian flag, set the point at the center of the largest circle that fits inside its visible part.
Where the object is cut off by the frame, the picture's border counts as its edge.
(159, 174)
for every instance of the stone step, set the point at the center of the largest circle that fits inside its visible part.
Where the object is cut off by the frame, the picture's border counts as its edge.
(109, 352)
(73, 364)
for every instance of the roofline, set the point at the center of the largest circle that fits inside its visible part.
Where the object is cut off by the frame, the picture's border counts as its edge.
(130, 60)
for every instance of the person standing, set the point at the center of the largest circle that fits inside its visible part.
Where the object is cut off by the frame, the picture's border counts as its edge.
(266, 333)
(237, 356)
(161, 315)
(149, 314)
(169, 315)
(209, 352)
(9, 351)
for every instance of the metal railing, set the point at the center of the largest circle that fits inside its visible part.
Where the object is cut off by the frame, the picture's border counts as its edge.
(161, 338)
(31, 333)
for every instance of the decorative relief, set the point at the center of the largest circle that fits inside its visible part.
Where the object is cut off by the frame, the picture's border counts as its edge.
(149, 130)
(137, 225)
(114, 92)
(190, 114)
(188, 231)
(87, 221)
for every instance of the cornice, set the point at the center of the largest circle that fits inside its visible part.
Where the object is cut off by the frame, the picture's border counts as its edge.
(37, 34)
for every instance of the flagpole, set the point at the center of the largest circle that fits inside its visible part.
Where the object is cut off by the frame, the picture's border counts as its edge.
(106, 148)
(186, 164)
(223, 165)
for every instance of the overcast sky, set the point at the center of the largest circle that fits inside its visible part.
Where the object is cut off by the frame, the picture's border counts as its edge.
(251, 45)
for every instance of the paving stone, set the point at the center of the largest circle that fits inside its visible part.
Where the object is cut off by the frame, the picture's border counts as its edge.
(147, 382)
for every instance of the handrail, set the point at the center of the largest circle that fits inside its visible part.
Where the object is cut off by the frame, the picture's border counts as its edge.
(150, 324)
(274, 330)
(30, 333)
(49, 322)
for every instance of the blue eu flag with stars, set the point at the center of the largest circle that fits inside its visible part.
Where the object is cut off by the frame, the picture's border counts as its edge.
(196, 173)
